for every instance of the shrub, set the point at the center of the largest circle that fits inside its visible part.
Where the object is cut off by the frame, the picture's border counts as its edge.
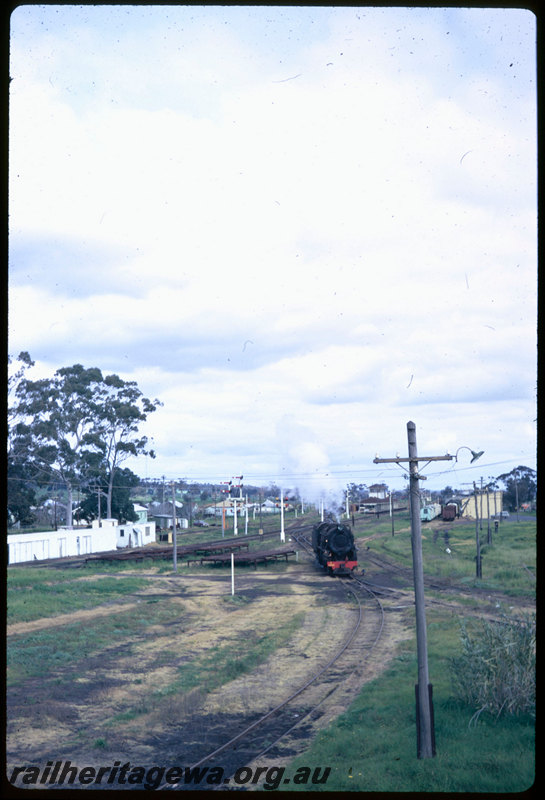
(496, 671)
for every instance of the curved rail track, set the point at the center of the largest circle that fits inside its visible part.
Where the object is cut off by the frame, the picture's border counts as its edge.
(289, 721)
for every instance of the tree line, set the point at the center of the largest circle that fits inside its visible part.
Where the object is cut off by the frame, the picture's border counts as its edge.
(75, 429)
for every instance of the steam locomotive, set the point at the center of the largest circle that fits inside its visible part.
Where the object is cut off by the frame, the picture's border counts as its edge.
(334, 547)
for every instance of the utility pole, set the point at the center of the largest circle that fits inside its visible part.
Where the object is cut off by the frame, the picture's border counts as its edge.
(426, 743)
(392, 513)
(174, 538)
(495, 506)
(478, 562)
(228, 493)
(516, 494)
(423, 689)
(489, 536)
(282, 534)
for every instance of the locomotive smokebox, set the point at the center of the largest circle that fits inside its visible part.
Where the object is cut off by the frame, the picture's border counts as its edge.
(340, 540)
(334, 546)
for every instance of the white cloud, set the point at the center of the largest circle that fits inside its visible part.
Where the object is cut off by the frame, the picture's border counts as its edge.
(325, 215)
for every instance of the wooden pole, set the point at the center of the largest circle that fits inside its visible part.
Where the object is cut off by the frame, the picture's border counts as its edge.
(174, 538)
(425, 736)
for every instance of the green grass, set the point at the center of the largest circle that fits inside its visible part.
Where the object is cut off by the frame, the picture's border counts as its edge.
(43, 652)
(508, 564)
(37, 593)
(372, 746)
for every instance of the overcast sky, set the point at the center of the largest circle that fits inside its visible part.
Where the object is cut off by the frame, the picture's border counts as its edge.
(300, 228)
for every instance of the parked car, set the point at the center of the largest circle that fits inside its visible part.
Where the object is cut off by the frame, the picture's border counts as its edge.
(502, 514)
(200, 524)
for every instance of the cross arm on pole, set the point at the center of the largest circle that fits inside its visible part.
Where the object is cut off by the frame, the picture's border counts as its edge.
(398, 460)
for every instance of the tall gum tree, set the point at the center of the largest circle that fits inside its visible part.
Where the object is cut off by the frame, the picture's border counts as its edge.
(20, 480)
(58, 423)
(520, 486)
(78, 423)
(122, 410)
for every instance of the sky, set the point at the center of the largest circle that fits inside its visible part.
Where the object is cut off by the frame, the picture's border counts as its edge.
(298, 227)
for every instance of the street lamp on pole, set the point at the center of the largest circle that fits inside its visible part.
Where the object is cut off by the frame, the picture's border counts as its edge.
(475, 455)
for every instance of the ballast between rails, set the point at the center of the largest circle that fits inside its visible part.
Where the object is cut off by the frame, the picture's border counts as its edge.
(380, 607)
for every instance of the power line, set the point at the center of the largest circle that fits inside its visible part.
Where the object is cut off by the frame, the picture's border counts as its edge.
(331, 475)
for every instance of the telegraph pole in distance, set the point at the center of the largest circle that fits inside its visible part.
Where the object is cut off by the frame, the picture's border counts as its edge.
(174, 542)
(392, 512)
(282, 534)
(478, 558)
(489, 529)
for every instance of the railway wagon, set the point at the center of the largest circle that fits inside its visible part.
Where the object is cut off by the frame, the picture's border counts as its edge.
(430, 512)
(449, 512)
(334, 547)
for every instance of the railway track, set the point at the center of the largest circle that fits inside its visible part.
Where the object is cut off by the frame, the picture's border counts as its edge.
(282, 730)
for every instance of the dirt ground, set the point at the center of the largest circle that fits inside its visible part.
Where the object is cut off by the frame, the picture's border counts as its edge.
(97, 709)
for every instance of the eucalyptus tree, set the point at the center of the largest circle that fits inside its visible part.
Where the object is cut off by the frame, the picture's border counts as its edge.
(520, 486)
(16, 373)
(121, 506)
(57, 425)
(123, 408)
(78, 425)
(21, 487)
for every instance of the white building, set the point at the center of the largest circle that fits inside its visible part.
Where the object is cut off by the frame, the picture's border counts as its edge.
(100, 538)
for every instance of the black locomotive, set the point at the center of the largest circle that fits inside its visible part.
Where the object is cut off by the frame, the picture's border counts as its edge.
(334, 547)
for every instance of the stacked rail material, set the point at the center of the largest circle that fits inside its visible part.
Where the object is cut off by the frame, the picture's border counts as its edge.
(254, 557)
(136, 554)
(166, 552)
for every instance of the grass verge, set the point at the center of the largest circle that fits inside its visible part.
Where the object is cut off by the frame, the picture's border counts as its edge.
(372, 746)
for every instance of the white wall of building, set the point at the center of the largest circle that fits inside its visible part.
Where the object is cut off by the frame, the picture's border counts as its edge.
(74, 542)
(135, 534)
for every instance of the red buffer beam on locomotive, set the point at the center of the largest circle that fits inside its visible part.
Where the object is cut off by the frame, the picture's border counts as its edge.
(334, 547)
